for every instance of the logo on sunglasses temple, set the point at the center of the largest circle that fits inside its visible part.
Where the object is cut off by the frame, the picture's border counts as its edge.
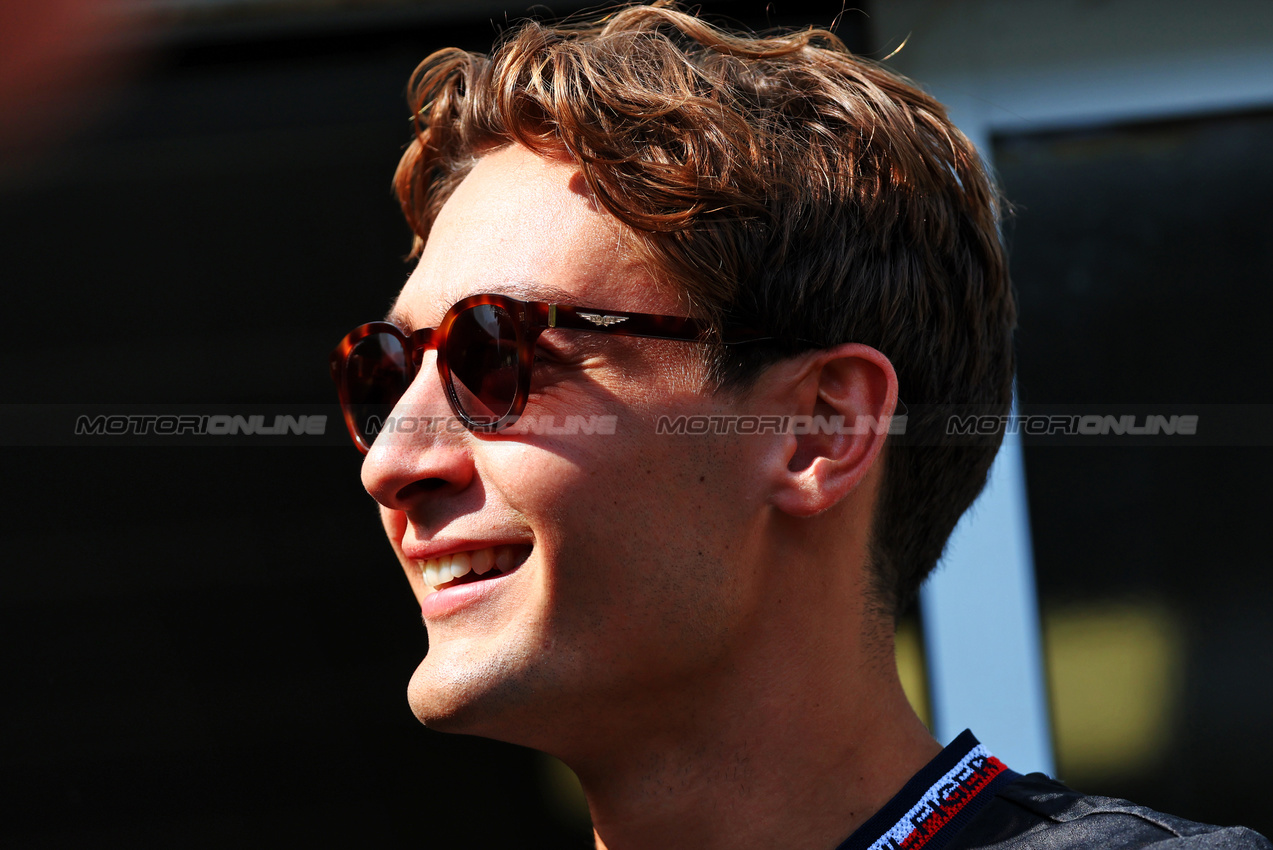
(602, 320)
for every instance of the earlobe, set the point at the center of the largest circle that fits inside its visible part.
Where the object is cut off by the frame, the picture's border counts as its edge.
(845, 405)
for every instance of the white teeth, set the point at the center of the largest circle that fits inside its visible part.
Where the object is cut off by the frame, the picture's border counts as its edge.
(439, 571)
(431, 572)
(482, 561)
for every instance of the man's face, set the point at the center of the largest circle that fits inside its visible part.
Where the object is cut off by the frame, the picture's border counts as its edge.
(636, 584)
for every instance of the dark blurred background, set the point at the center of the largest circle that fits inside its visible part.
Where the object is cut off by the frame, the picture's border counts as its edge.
(208, 645)
(1141, 256)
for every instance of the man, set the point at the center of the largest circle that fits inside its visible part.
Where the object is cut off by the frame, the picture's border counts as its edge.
(630, 427)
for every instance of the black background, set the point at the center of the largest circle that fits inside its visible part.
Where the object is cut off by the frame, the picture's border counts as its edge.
(209, 646)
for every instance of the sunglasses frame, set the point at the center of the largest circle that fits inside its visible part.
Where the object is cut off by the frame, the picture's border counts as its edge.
(530, 319)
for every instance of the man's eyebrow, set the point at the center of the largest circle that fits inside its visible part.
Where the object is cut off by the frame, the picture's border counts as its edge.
(529, 291)
(395, 318)
(521, 290)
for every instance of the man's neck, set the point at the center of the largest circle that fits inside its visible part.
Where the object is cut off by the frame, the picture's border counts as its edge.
(797, 751)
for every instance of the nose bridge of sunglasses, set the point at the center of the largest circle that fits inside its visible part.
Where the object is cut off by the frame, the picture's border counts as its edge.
(421, 341)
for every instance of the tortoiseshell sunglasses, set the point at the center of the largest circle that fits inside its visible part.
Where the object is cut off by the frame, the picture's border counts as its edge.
(486, 347)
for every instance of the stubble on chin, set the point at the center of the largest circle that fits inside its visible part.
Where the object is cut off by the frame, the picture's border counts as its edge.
(499, 695)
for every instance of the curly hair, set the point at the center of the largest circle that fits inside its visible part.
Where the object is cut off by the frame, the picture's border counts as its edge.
(778, 181)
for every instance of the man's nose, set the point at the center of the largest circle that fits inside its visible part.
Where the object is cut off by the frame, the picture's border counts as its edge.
(423, 449)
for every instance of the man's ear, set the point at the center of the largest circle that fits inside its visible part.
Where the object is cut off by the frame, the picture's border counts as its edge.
(844, 399)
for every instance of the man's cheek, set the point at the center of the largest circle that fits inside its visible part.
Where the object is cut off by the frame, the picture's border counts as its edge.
(395, 523)
(544, 475)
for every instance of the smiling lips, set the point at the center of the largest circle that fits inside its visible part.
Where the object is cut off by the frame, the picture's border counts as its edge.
(475, 565)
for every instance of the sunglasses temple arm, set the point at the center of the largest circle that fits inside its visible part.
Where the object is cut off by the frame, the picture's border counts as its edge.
(620, 323)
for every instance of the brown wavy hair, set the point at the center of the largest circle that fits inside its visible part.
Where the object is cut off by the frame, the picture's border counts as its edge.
(778, 181)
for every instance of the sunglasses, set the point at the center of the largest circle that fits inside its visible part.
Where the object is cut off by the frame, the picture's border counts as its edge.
(486, 348)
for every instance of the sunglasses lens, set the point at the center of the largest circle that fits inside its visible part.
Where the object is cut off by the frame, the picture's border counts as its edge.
(377, 373)
(481, 353)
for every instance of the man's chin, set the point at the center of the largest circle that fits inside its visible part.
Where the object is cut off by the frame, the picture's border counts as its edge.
(466, 697)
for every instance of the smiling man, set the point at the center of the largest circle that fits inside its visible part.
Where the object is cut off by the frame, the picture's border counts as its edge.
(630, 229)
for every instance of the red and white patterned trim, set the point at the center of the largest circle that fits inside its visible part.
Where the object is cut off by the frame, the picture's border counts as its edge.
(943, 800)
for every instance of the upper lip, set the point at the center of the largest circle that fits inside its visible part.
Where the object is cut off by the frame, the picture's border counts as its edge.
(439, 548)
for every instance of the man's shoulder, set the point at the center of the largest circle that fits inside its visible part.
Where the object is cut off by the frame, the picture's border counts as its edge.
(1042, 814)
